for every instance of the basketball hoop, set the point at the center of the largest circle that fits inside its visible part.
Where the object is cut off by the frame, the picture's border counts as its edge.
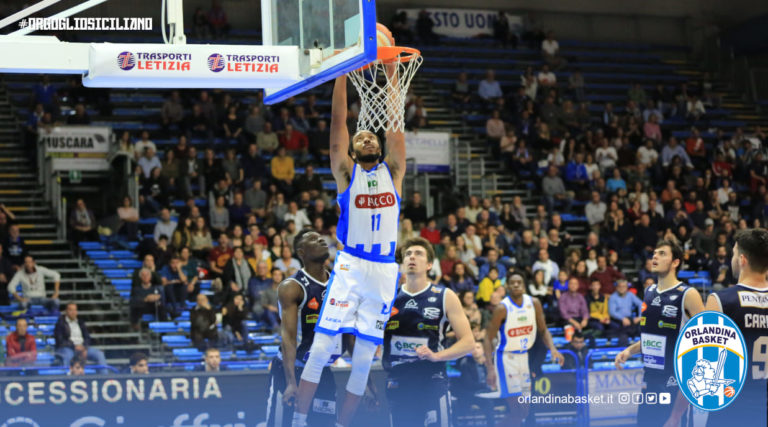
(383, 88)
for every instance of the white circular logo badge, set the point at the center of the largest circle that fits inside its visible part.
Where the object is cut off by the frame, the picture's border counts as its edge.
(710, 360)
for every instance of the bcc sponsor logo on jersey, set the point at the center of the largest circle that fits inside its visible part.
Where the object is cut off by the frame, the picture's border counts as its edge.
(709, 360)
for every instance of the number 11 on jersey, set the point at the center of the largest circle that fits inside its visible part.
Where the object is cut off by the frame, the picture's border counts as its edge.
(375, 222)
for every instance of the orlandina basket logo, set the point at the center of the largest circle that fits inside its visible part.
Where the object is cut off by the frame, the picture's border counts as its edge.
(216, 62)
(126, 61)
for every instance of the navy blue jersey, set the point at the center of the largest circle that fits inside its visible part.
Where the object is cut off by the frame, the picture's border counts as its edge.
(663, 314)
(416, 320)
(748, 308)
(309, 309)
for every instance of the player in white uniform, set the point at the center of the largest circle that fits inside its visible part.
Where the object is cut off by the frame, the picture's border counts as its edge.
(515, 325)
(364, 279)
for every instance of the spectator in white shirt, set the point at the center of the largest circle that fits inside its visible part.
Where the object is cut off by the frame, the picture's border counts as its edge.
(32, 277)
(595, 210)
(298, 216)
(694, 108)
(546, 78)
(550, 51)
(551, 269)
(606, 156)
(647, 154)
(489, 89)
(144, 143)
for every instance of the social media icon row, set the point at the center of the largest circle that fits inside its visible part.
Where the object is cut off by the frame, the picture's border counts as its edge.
(648, 398)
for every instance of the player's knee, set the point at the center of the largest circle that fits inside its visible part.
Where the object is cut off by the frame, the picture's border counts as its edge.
(362, 358)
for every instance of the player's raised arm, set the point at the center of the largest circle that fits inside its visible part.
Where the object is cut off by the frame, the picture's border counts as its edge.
(341, 164)
(289, 294)
(395, 137)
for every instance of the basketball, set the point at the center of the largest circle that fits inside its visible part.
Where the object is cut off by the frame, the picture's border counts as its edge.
(384, 36)
(729, 391)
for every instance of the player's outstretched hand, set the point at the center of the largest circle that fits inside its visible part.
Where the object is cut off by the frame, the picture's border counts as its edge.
(423, 352)
(621, 359)
(289, 395)
(558, 357)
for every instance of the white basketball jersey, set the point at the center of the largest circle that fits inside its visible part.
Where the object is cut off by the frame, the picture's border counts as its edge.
(370, 212)
(518, 332)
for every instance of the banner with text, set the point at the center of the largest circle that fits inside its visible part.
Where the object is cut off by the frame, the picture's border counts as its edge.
(77, 147)
(432, 150)
(618, 386)
(463, 22)
(179, 399)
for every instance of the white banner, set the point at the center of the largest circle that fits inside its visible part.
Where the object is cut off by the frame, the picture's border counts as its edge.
(189, 66)
(77, 147)
(622, 391)
(432, 150)
(463, 22)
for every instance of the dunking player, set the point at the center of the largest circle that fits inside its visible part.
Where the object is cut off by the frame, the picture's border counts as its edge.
(364, 278)
(300, 298)
(515, 325)
(666, 307)
(417, 386)
(746, 303)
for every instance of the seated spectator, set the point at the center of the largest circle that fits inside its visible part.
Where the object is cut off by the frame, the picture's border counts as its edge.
(546, 79)
(254, 123)
(295, 142)
(235, 314)
(76, 367)
(175, 284)
(595, 211)
(217, 20)
(672, 150)
(488, 286)
(720, 268)
(148, 262)
(172, 112)
(473, 313)
(489, 89)
(560, 286)
(165, 225)
(550, 51)
(267, 140)
(599, 318)
(461, 279)
(606, 275)
(424, 28)
(201, 241)
(283, 171)
(141, 146)
(45, 93)
(129, 219)
(270, 313)
(74, 341)
(651, 129)
(232, 125)
(220, 255)
(20, 346)
(32, 277)
(82, 223)
(573, 306)
(237, 274)
(550, 268)
(492, 262)
(80, 117)
(189, 266)
(287, 263)
(202, 319)
(694, 108)
(146, 298)
(554, 190)
(431, 232)
(7, 271)
(212, 360)
(495, 130)
(624, 309)
(138, 363)
(461, 94)
(200, 28)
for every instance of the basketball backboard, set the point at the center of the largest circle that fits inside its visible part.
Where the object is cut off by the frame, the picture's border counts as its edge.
(333, 36)
(305, 43)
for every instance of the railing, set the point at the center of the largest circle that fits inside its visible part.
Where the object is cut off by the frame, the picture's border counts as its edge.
(51, 182)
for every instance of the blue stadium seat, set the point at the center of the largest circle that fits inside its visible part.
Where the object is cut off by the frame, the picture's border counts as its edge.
(176, 341)
(187, 354)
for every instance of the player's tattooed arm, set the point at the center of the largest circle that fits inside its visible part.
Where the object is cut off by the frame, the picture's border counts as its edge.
(341, 163)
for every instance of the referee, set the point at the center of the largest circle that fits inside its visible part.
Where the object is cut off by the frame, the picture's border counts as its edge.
(414, 356)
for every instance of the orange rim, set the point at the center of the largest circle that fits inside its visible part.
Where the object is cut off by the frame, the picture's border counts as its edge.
(389, 54)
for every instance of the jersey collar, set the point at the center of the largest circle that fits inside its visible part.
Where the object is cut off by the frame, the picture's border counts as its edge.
(429, 285)
(659, 291)
(309, 277)
(752, 288)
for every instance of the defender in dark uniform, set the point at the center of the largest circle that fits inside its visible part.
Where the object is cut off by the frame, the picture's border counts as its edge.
(414, 356)
(300, 298)
(667, 305)
(746, 303)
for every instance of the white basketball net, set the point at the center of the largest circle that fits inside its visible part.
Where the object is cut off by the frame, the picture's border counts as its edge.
(383, 93)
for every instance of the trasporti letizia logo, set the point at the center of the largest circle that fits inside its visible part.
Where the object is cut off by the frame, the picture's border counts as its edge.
(709, 361)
